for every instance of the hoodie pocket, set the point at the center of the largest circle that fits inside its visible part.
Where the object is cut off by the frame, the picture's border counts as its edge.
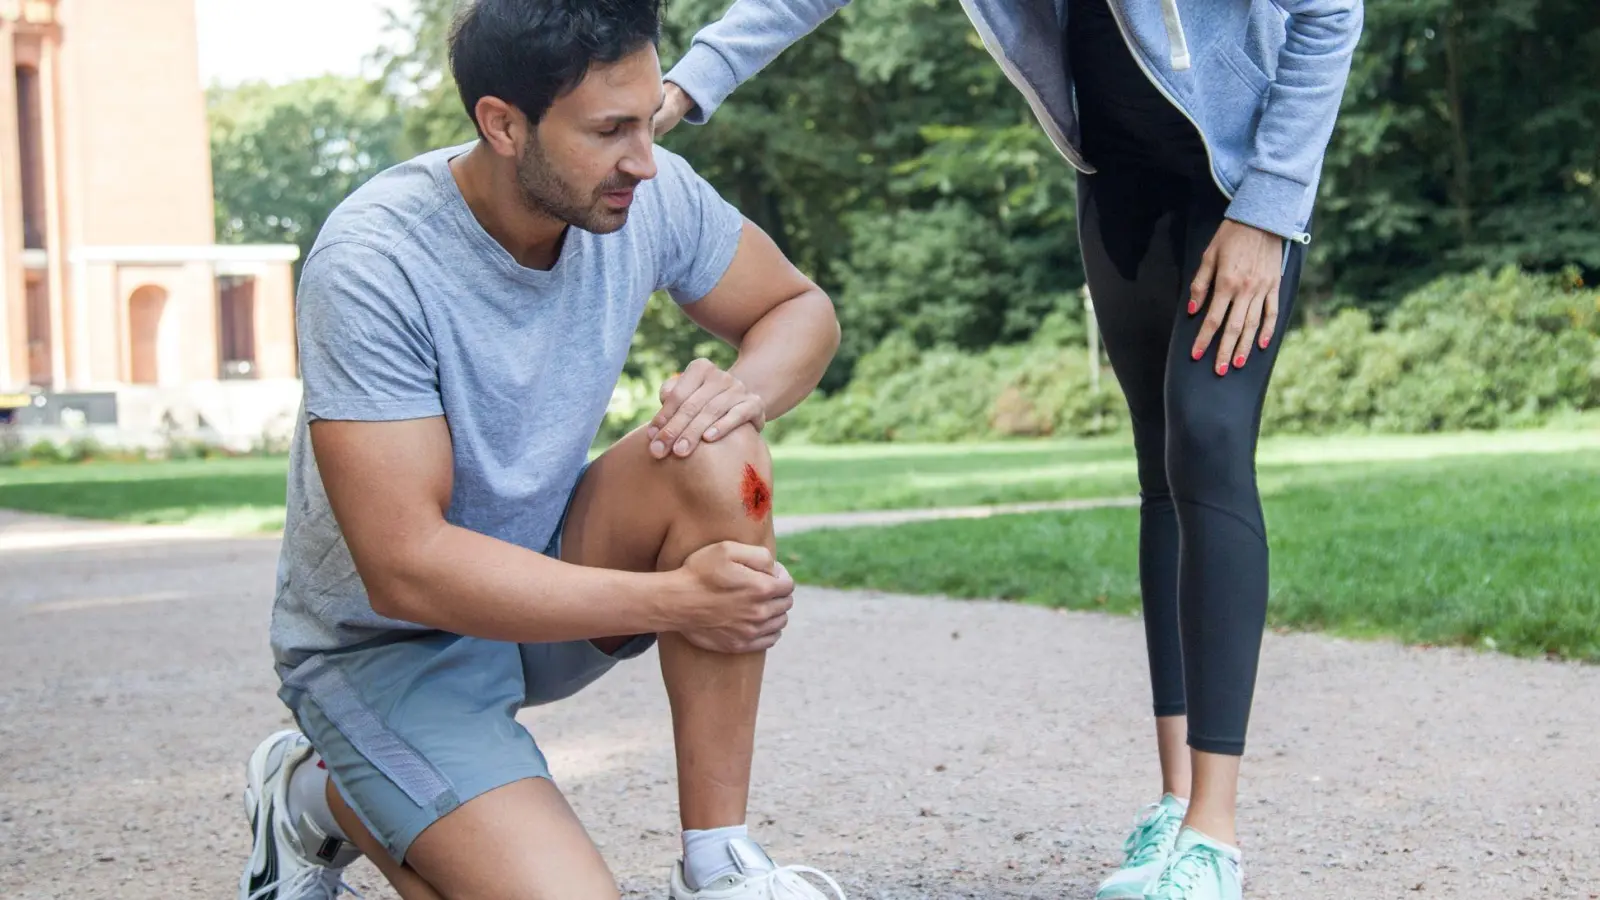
(1231, 92)
(1246, 68)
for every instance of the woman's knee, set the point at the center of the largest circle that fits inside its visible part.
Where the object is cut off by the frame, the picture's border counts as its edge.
(1150, 457)
(1210, 449)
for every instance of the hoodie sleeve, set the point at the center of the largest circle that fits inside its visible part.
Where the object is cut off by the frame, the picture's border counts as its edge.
(1297, 120)
(730, 50)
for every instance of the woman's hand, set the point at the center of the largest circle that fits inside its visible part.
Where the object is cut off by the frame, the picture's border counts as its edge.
(676, 105)
(1240, 273)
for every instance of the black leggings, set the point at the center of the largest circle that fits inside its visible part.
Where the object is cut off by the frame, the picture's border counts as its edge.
(1202, 541)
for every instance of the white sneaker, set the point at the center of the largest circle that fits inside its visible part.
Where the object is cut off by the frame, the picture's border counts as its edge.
(758, 878)
(279, 866)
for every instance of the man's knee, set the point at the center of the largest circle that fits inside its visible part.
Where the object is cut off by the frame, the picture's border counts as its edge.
(730, 476)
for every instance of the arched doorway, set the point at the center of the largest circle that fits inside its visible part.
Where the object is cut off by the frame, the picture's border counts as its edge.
(145, 307)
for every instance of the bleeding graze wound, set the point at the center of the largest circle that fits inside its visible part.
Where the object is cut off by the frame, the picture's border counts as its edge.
(756, 493)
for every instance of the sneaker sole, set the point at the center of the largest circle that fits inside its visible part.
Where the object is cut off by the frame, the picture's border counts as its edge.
(260, 826)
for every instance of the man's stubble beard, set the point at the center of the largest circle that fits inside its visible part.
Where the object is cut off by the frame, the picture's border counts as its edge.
(544, 193)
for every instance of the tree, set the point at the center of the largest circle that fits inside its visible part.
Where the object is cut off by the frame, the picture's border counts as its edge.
(284, 156)
(891, 159)
(1467, 139)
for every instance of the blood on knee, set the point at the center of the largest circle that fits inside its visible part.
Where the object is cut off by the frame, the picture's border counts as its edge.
(756, 494)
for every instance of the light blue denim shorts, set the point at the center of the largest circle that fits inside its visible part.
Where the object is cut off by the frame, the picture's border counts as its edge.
(412, 729)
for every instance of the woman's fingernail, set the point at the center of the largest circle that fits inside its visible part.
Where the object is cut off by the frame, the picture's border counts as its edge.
(1265, 342)
(1238, 361)
(682, 446)
(1198, 353)
(1222, 369)
(711, 434)
(1193, 307)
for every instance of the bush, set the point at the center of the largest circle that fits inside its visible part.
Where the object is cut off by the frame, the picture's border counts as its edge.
(1323, 380)
(12, 449)
(1049, 393)
(16, 451)
(901, 393)
(1488, 350)
(1478, 351)
(47, 453)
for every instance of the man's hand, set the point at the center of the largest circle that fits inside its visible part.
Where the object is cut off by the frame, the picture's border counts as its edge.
(1241, 272)
(701, 403)
(672, 111)
(739, 598)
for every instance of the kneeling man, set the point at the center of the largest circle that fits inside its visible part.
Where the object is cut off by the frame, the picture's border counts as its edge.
(451, 556)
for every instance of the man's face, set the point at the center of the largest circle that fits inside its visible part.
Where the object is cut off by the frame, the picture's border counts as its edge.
(594, 146)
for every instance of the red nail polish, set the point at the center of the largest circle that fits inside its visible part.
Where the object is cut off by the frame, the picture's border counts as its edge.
(1198, 354)
(1238, 362)
(1264, 343)
(1222, 369)
(1193, 307)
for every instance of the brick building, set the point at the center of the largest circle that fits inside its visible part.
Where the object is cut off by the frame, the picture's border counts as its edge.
(118, 310)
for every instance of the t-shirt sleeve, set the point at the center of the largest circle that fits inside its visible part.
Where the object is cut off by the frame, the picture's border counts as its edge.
(365, 349)
(697, 230)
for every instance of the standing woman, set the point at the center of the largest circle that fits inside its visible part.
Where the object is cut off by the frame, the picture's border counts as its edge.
(1199, 129)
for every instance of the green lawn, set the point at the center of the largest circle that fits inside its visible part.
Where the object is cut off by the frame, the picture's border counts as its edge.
(239, 495)
(1499, 548)
(248, 494)
(1484, 538)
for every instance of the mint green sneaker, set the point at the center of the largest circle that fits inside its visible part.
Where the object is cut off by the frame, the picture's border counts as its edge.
(1146, 850)
(1199, 869)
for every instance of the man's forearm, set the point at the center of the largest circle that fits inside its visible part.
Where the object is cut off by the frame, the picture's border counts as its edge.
(467, 583)
(783, 357)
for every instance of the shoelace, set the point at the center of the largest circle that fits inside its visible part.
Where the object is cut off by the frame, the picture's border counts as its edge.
(785, 882)
(310, 883)
(1179, 878)
(1150, 832)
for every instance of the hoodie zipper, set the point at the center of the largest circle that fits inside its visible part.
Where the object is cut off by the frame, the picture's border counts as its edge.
(1211, 163)
(1180, 44)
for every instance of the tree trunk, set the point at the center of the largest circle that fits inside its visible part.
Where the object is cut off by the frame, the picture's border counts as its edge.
(1462, 188)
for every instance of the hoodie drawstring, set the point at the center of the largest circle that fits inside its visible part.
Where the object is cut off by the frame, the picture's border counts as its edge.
(1178, 44)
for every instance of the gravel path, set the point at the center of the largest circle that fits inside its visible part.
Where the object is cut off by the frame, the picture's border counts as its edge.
(914, 747)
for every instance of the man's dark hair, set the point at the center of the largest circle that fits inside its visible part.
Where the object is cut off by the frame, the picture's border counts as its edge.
(530, 52)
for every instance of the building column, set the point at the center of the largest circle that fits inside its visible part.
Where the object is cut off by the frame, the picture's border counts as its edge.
(70, 112)
(274, 325)
(56, 253)
(13, 297)
(195, 293)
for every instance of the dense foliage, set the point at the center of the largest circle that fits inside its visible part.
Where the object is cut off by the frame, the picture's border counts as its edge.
(283, 156)
(887, 154)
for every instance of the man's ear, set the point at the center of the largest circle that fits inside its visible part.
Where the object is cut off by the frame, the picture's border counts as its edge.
(503, 126)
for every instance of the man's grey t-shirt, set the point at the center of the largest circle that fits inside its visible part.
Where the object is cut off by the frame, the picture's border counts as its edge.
(408, 309)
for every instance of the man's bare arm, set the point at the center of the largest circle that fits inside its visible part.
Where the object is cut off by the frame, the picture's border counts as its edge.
(786, 331)
(783, 324)
(389, 485)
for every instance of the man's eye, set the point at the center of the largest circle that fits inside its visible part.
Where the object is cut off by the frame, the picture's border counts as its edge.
(613, 131)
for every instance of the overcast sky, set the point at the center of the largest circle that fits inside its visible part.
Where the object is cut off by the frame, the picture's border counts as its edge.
(280, 40)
